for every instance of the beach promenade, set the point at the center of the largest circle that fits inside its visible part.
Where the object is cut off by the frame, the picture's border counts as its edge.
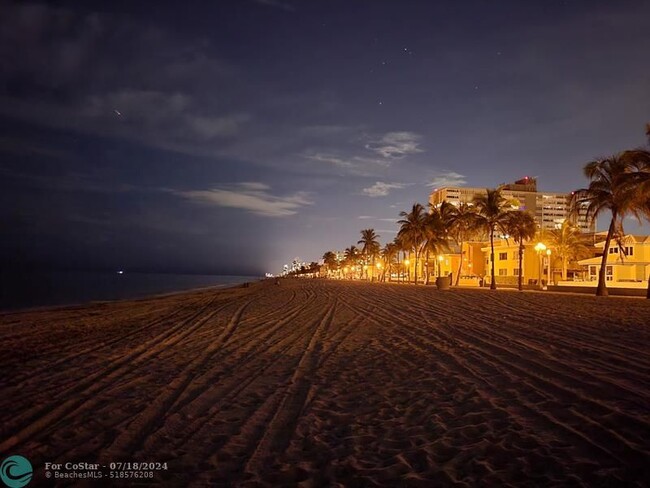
(328, 383)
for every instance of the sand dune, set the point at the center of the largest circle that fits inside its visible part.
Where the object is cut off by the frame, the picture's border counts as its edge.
(317, 383)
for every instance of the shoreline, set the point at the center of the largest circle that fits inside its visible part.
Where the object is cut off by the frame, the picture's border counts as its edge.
(334, 381)
(143, 296)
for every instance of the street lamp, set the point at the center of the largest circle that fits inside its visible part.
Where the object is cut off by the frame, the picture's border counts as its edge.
(540, 248)
(408, 270)
(548, 258)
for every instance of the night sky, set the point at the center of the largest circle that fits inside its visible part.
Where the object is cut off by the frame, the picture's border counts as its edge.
(231, 137)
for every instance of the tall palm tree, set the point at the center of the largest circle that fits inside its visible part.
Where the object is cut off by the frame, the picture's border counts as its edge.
(435, 233)
(522, 227)
(614, 186)
(351, 256)
(370, 247)
(491, 215)
(388, 254)
(329, 258)
(399, 248)
(569, 244)
(462, 227)
(412, 232)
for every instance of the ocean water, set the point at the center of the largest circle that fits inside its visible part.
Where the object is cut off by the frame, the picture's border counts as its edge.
(41, 289)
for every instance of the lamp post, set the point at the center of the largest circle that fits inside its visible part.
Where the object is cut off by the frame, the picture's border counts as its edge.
(408, 269)
(548, 258)
(540, 248)
(378, 270)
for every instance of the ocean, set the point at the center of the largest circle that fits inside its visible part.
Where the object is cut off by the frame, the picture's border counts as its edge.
(19, 290)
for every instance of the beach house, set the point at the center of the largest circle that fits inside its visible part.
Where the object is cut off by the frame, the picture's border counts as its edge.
(628, 263)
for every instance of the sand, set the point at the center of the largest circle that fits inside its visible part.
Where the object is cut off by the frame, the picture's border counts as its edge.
(325, 383)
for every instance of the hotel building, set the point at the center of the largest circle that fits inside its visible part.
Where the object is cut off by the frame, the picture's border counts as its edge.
(550, 209)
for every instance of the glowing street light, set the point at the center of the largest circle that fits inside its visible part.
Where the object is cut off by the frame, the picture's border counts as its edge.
(540, 248)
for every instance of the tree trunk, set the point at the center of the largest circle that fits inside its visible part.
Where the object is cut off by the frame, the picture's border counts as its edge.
(493, 283)
(415, 268)
(521, 257)
(426, 267)
(460, 266)
(601, 289)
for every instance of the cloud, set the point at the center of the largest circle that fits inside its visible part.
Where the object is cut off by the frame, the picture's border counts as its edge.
(277, 4)
(396, 145)
(369, 217)
(333, 160)
(356, 165)
(217, 127)
(447, 178)
(112, 75)
(381, 189)
(253, 197)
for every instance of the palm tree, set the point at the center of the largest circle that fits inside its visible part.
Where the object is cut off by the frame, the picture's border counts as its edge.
(329, 258)
(522, 227)
(351, 256)
(412, 232)
(370, 247)
(616, 186)
(399, 248)
(569, 243)
(435, 233)
(388, 254)
(462, 227)
(491, 214)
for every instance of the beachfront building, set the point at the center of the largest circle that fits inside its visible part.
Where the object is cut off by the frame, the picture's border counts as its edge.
(628, 263)
(550, 209)
(535, 263)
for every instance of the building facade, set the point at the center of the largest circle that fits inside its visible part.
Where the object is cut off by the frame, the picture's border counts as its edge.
(627, 264)
(550, 209)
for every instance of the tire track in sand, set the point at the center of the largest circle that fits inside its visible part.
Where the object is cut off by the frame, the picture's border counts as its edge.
(154, 414)
(483, 370)
(205, 400)
(282, 425)
(269, 428)
(39, 418)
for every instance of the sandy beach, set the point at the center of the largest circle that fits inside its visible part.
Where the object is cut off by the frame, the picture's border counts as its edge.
(325, 383)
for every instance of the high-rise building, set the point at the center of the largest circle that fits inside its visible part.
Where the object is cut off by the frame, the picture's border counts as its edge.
(550, 209)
